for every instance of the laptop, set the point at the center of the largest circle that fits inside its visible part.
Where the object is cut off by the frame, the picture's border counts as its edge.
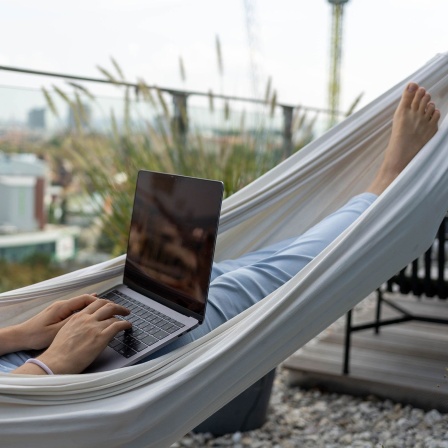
(168, 265)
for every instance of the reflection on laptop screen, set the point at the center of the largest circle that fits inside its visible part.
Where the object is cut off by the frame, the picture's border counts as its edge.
(172, 238)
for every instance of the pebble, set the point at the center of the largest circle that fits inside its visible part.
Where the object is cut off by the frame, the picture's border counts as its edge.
(312, 419)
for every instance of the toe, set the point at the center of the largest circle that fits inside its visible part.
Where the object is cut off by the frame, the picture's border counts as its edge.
(418, 98)
(429, 111)
(424, 102)
(435, 116)
(408, 94)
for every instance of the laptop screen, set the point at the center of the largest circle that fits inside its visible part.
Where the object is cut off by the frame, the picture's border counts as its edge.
(172, 239)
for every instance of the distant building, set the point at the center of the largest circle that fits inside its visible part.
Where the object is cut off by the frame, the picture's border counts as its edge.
(59, 244)
(36, 119)
(23, 229)
(22, 190)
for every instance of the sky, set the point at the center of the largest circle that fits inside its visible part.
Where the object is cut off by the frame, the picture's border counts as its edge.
(384, 41)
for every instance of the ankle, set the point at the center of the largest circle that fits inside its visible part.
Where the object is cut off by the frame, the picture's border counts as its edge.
(383, 179)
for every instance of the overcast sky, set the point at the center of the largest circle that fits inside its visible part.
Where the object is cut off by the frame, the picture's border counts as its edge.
(384, 41)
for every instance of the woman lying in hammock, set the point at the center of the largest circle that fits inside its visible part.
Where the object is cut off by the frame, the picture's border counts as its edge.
(73, 340)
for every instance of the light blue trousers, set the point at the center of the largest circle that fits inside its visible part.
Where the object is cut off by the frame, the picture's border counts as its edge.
(238, 284)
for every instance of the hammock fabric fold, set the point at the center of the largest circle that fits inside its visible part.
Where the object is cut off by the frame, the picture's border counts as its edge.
(156, 403)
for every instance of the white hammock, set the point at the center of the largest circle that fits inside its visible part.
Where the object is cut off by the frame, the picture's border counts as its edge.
(154, 404)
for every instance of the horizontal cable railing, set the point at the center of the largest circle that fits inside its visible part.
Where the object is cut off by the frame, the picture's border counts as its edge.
(279, 119)
(162, 89)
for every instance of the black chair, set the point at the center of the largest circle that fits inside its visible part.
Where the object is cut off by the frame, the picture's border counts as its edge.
(424, 276)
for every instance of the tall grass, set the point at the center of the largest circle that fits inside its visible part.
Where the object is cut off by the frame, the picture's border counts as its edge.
(34, 269)
(107, 164)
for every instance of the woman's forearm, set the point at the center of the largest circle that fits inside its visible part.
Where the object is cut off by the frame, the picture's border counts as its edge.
(12, 339)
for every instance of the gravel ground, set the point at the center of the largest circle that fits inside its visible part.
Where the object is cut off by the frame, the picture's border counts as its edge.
(312, 419)
(301, 418)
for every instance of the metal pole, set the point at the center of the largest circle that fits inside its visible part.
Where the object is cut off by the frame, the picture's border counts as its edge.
(180, 119)
(287, 129)
(335, 58)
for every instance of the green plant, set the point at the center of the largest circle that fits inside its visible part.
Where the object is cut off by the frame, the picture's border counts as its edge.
(107, 164)
(34, 269)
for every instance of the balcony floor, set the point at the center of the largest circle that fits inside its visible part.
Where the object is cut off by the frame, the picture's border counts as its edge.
(406, 363)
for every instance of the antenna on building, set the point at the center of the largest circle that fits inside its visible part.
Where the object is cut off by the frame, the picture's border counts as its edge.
(334, 87)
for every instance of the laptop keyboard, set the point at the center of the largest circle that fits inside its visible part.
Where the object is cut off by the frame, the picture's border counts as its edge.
(148, 325)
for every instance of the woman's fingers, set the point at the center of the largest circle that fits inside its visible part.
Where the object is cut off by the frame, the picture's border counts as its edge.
(63, 309)
(108, 310)
(90, 304)
(104, 309)
(80, 302)
(114, 326)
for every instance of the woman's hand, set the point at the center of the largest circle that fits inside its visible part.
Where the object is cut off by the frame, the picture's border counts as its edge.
(84, 337)
(81, 336)
(38, 332)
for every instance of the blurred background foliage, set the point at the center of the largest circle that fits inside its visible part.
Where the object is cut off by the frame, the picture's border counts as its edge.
(34, 269)
(167, 140)
(144, 127)
(95, 168)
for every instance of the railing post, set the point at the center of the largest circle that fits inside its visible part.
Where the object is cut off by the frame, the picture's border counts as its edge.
(180, 118)
(287, 130)
(347, 344)
(379, 302)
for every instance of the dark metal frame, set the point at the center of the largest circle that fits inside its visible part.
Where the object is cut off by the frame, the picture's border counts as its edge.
(408, 281)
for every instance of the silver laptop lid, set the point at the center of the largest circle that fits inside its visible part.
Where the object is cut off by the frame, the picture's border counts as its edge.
(172, 240)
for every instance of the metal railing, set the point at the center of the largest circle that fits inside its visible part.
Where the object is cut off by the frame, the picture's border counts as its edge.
(182, 111)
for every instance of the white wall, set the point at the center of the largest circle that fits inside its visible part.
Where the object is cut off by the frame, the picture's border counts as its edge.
(17, 202)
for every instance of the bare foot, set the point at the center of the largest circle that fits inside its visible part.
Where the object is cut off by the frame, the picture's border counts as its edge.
(414, 124)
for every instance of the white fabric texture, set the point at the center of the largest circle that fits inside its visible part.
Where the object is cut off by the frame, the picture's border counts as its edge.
(155, 403)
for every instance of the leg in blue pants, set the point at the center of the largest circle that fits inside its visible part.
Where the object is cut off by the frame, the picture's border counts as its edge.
(238, 284)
